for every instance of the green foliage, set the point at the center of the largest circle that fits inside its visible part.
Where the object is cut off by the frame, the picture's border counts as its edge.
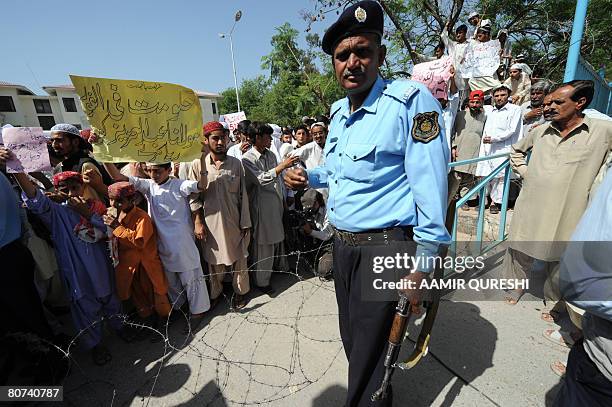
(250, 92)
(540, 29)
(301, 83)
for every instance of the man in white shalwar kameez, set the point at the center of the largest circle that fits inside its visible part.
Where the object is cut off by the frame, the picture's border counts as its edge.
(169, 209)
(503, 127)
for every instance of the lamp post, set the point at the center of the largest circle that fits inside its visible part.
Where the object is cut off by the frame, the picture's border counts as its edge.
(222, 35)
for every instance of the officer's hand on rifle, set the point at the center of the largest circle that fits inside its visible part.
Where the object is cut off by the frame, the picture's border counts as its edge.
(415, 294)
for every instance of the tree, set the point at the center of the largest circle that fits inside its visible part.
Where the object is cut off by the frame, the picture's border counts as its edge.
(250, 92)
(540, 29)
(301, 82)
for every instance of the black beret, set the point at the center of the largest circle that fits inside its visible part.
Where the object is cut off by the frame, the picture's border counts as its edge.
(360, 18)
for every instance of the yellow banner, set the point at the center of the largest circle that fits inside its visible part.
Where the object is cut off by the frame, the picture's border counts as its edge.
(141, 121)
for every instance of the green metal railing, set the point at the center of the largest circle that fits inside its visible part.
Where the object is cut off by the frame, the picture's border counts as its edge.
(481, 189)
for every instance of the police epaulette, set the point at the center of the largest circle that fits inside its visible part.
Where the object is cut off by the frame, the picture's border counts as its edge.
(402, 90)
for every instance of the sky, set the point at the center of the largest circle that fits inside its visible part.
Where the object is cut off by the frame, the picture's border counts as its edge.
(174, 41)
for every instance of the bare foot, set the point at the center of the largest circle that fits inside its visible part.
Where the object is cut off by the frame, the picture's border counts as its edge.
(513, 297)
(558, 367)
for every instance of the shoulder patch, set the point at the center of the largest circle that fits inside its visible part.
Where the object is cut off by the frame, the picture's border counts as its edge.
(425, 127)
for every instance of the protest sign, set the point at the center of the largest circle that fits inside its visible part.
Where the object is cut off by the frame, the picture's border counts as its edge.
(141, 121)
(232, 119)
(481, 59)
(29, 145)
(435, 75)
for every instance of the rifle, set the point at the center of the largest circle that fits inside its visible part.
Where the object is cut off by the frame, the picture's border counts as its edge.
(396, 337)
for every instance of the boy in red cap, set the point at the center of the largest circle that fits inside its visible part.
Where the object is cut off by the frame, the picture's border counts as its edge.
(139, 272)
(169, 209)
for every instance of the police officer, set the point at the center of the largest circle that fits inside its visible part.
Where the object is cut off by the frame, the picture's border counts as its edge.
(386, 169)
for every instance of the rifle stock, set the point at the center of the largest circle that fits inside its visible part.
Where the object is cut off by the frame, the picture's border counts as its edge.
(396, 336)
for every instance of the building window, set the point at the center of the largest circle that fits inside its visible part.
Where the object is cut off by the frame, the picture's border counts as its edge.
(6, 104)
(42, 106)
(214, 107)
(46, 122)
(69, 104)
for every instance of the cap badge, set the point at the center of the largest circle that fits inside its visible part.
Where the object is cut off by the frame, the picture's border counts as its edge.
(360, 14)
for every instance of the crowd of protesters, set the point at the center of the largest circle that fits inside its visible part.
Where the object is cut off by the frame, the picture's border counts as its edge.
(141, 244)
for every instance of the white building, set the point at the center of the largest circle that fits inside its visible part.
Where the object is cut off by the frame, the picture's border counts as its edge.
(20, 106)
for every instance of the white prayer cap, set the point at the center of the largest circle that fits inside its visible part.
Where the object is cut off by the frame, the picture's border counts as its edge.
(516, 66)
(276, 130)
(500, 86)
(473, 14)
(66, 128)
(318, 124)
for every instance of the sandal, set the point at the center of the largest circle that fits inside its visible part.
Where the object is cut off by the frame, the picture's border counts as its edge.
(558, 337)
(513, 297)
(101, 355)
(558, 368)
(239, 302)
(552, 316)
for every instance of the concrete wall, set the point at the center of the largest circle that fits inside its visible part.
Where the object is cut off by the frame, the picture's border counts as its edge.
(77, 117)
(14, 118)
(207, 110)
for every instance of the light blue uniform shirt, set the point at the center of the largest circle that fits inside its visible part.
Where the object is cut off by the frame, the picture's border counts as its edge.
(10, 220)
(586, 269)
(378, 175)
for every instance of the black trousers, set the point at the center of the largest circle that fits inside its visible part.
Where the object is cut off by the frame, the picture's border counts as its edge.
(364, 325)
(583, 385)
(20, 303)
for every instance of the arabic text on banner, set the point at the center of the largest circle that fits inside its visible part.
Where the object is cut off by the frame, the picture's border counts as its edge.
(435, 75)
(141, 121)
(29, 145)
(481, 59)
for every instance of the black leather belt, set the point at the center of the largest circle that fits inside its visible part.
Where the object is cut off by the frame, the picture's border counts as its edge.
(375, 237)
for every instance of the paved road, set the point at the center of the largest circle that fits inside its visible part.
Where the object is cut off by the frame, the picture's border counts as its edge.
(286, 351)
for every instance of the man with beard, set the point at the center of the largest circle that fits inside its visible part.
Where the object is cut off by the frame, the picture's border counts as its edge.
(520, 83)
(533, 110)
(386, 169)
(503, 128)
(67, 143)
(469, 126)
(223, 224)
(567, 154)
